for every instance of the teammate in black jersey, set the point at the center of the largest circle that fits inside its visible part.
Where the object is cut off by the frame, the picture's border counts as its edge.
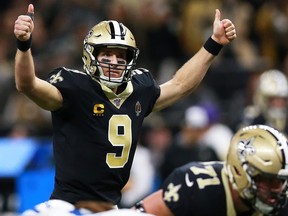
(252, 181)
(97, 113)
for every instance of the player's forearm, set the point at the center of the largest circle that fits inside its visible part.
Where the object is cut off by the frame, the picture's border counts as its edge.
(24, 71)
(188, 77)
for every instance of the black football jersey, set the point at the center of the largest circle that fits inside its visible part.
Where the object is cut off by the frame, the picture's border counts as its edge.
(95, 133)
(201, 189)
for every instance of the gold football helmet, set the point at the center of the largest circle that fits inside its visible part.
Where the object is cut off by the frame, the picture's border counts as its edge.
(259, 151)
(109, 34)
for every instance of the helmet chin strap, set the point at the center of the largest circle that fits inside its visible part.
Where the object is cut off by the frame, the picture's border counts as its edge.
(110, 85)
(263, 207)
(259, 206)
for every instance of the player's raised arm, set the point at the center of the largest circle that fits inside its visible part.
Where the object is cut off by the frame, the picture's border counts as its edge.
(188, 77)
(41, 92)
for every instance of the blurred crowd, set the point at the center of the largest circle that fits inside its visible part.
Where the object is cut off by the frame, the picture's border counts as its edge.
(167, 33)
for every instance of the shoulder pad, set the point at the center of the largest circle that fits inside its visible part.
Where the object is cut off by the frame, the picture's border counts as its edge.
(139, 71)
(74, 71)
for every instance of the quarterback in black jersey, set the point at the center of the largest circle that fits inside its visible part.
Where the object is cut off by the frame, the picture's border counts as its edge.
(97, 113)
(251, 182)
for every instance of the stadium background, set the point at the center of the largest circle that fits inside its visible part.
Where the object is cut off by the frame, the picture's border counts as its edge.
(167, 33)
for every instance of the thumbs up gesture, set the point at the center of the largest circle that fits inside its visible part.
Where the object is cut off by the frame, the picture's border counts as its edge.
(223, 30)
(24, 25)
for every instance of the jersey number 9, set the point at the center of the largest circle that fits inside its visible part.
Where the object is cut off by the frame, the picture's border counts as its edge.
(119, 134)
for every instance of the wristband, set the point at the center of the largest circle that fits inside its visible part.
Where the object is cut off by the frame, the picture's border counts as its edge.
(212, 46)
(24, 45)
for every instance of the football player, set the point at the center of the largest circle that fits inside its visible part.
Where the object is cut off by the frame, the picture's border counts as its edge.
(270, 104)
(97, 113)
(252, 181)
(83, 208)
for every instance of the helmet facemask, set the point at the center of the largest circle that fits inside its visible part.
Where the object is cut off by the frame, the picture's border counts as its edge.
(258, 156)
(270, 199)
(104, 35)
(263, 195)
